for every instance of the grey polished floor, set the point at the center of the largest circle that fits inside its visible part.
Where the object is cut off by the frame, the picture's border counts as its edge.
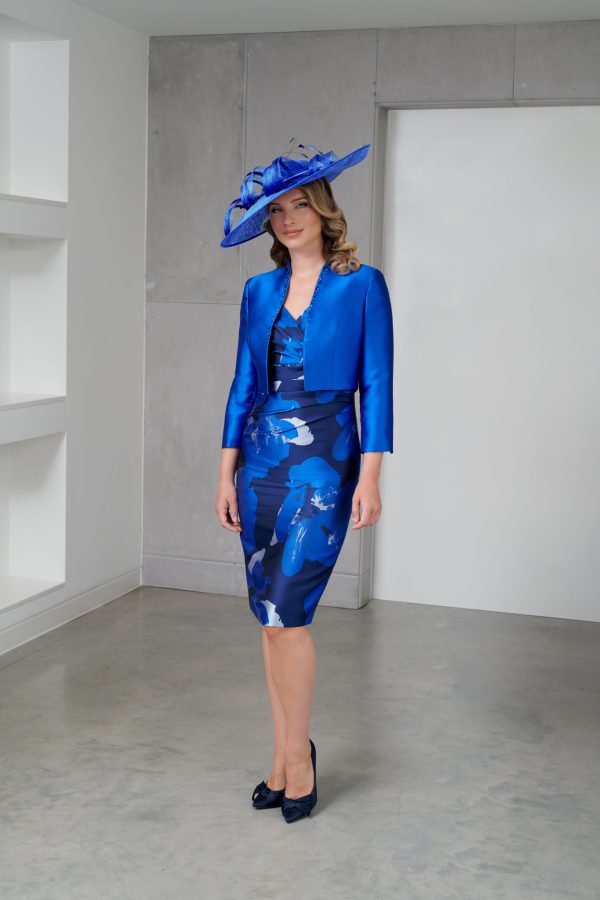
(457, 757)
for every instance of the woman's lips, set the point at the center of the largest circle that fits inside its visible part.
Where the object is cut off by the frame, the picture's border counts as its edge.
(292, 233)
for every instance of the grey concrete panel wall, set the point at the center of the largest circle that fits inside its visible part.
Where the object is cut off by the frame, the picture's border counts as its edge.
(190, 352)
(219, 105)
(195, 155)
(559, 61)
(466, 63)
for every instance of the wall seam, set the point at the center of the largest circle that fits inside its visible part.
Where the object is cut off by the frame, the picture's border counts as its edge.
(514, 93)
(244, 162)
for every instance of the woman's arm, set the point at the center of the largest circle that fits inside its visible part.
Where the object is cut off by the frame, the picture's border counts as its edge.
(376, 369)
(226, 506)
(243, 386)
(240, 397)
(375, 380)
(366, 500)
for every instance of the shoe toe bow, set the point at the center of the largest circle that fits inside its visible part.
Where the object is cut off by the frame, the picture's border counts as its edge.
(265, 797)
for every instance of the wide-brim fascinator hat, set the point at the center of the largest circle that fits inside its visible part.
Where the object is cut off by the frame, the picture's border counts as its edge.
(281, 175)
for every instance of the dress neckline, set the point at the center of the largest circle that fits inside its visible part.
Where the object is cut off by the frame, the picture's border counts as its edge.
(294, 320)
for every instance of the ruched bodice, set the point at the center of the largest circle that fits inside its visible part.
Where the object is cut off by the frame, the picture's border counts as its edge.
(286, 351)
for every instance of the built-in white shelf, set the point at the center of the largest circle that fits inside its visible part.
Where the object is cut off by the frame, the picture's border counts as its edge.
(34, 111)
(40, 201)
(34, 419)
(33, 311)
(33, 217)
(34, 127)
(32, 517)
(16, 400)
(14, 590)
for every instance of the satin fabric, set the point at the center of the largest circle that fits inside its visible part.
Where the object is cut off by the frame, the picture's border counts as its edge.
(298, 468)
(348, 345)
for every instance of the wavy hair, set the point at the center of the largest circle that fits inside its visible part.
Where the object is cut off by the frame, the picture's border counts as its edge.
(338, 251)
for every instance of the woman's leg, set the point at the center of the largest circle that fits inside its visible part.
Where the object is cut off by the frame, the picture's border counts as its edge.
(276, 779)
(293, 668)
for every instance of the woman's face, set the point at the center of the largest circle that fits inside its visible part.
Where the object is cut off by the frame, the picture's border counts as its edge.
(293, 220)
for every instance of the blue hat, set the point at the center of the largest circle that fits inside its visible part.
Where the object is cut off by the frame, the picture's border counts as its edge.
(280, 176)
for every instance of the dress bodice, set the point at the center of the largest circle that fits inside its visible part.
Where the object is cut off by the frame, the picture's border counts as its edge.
(286, 351)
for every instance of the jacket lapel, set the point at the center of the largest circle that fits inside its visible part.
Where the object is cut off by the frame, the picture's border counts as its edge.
(267, 299)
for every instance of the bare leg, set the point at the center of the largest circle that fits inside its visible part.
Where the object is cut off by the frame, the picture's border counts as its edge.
(276, 779)
(293, 668)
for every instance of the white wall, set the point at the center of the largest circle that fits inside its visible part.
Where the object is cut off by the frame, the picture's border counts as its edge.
(105, 314)
(492, 498)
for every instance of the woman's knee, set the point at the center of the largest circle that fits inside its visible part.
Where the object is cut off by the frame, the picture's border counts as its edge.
(278, 633)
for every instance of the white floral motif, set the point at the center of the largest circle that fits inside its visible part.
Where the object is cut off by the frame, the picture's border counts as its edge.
(304, 436)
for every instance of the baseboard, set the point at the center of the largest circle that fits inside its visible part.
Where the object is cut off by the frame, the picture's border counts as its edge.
(26, 621)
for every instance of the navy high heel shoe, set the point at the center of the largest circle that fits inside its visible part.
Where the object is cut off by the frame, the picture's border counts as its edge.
(264, 797)
(294, 808)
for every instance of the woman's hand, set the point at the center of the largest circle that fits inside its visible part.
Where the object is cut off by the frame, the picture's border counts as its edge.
(226, 505)
(366, 502)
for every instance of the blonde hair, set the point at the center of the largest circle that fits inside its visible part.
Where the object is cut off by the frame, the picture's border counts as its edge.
(338, 251)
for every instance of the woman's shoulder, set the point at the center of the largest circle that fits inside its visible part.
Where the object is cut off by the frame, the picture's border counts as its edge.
(364, 275)
(267, 275)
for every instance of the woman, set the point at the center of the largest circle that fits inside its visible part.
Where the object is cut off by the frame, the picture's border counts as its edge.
(311, 331)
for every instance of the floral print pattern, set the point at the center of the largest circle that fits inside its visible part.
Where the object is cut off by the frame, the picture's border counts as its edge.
(297, 471)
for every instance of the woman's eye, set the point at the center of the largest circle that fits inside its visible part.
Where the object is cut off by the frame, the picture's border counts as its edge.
(276, 209)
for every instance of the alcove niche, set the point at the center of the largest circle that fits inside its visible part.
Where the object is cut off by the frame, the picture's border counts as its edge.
(34, 104)
(32, 517)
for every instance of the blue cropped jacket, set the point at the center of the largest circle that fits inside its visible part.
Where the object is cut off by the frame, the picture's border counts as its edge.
(348, 344)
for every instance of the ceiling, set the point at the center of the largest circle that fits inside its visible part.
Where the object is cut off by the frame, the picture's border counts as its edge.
(175, 17)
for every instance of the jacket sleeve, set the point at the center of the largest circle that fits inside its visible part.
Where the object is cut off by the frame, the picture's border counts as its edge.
(243, 386)
(375, 374)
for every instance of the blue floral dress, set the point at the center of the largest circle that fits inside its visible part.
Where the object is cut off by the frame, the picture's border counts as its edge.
(298, 468)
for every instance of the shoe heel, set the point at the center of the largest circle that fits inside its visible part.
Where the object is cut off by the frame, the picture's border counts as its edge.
(296, 808)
